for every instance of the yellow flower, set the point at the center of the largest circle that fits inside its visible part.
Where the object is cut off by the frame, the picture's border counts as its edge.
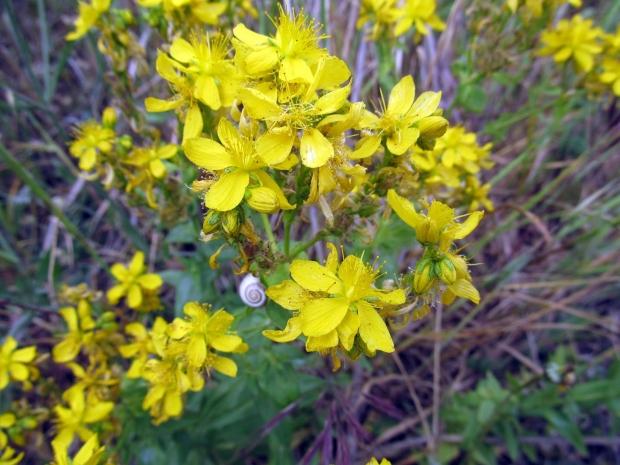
(138, 350)
(89, 454)
(478, 194)
(334, 303)
(536, 7)
(94, 381)
(151, 158)
(406, 119)
(204, 332)
(80, 325)
(459, 148)
(198, 71)
(203, 11)
(241, 162)
(418, 13)
(439, 227)
(291, 53)
(15, 364)
(88, 15)
(374, 461)
(133, 282)
(77, 418)
(92, 140)
(382, 14)
(576, 39)
(611, 74)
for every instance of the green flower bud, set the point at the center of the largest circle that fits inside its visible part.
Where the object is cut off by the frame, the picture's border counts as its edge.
(126, 141)
(446, 271)
(424, 276)
(211, 221)
(433, 127)
(108, 117)
(230, 222)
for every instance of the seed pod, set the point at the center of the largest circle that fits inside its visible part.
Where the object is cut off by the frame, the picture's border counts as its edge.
(252, 291)
(424, 276)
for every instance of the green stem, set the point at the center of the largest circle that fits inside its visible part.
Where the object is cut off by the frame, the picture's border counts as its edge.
(287, 234)
(306, 245)
(37, 190)
(267, 226)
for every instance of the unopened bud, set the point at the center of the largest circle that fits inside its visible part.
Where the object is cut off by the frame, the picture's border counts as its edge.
(427, 232)
(424, 276)
(211, 221)
(263, 200)
(230, 222)
(433, 127)
(108, 117)
(445, 271)
(126, 141)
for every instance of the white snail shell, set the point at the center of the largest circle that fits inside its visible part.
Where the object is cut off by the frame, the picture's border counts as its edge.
(252, 291)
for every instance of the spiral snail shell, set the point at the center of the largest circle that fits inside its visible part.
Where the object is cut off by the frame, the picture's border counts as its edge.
(252, 291)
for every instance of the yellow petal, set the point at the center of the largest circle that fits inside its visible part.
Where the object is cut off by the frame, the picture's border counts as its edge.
(288, 294)
(263, 200)
(18, 371)
(227, 192)
(320, 316)
(401, 140)
(425, 105)
(248, 36)
(347, 330)
(331, 263)
(313, 276)
(268, 182)
(404, 209)
(288, 334)
(157, 105)
(315, 149)
(196, 350)
(150, 281)
(157, 168)
(465, 228)
(335, 72)
(25, 355)
(173, 404)
(226, 342)
(207, 154)
(321, 343)
(181, 50)
(274, 148)
(66, 350)
(258, 105)
(136, 265)
(464, 288)
(401, 97)
(295, 70)
(373, 330)
(332, 101)
(205, 90)
(134, 296)
(366, 147)
(116, 293)
(261, 61)
(97, 412)
(193, 123)
(225, 366)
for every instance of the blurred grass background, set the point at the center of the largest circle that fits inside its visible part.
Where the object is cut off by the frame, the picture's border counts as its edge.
(531, 375)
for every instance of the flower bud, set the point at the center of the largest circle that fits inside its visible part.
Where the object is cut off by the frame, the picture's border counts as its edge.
(230, 222)
(263, 200)
(445, 270)
(126, 141)
(108, 117)
(211, 221)
(433, 127)
(424, 276)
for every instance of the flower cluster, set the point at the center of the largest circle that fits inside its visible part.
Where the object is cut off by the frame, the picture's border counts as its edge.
(173, 357)
(393, 19)
(104, 154)
(593, 52)
(336, 306)
(536, 8)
